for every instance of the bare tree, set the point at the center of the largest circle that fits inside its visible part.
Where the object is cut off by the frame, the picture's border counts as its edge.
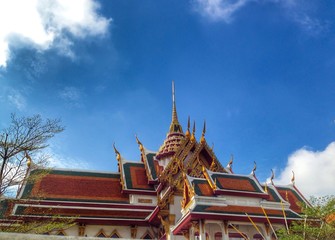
(25, 135)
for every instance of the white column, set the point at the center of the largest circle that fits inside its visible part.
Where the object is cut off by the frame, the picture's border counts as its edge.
(202, 234)
(224, 230)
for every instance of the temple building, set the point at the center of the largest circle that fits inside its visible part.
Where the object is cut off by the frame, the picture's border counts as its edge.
(181, 191)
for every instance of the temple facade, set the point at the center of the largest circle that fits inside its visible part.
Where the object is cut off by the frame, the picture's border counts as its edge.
(181, 191)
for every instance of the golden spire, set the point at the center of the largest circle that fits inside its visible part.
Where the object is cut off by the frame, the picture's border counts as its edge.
(193, 132)
(174, 109)
(187, 134)
(202, 140)
(175, 126)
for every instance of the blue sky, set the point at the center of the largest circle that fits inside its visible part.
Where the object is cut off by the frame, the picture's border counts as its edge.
(261, 73)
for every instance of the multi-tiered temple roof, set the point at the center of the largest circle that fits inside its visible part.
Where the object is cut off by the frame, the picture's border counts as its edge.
(168, 193)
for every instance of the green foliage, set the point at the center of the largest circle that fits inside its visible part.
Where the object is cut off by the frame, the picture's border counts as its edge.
(318, 221)
(20, 143)
(23, 137)
(39, 227)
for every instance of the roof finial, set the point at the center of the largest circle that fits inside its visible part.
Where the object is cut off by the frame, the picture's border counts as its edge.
(175, 126)
(266, 187)
(193, 132)
(28, 158)
(229, 165)
(202, 140)
(140, 145)
(254, 169)
(272, 176)
(118, 155)
(187, 134)
(293, 178)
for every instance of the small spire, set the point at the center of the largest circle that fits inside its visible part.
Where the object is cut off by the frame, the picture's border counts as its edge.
(272, 176)
(187, 134)
(193, 132)
(202, 140)
(254, 169)
(293, 178)
(174, 109)
(175, 126)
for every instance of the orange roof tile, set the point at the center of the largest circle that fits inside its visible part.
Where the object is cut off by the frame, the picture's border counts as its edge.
(293, 198)
(236, 183)
(71, 185)
(136, 177)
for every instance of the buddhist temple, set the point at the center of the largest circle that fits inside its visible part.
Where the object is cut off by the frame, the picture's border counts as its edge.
(180, 191)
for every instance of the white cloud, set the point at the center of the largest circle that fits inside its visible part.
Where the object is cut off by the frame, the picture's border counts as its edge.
(297, 11)
(314, 171)
(44, 24)
(17, 99)
(58, 161)
(72, 96)
(219, 9)
(300, 12)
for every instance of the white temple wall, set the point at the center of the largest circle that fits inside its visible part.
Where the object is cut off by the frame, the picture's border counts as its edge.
(93, 230)
(175, 207)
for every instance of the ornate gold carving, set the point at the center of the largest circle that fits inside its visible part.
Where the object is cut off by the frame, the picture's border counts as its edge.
(81, 229)
(225, 227)
(144, 200)
(213, 167)
(195, 225)
(209, 179)
(133, 231)
(186, 234)
(172, 219)
(165, 223)
(267, 228)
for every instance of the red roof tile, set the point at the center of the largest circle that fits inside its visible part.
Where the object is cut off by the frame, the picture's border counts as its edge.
(236, 183)
(73, 186)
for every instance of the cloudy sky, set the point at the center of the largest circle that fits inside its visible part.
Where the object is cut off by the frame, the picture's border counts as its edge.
(260, 72)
